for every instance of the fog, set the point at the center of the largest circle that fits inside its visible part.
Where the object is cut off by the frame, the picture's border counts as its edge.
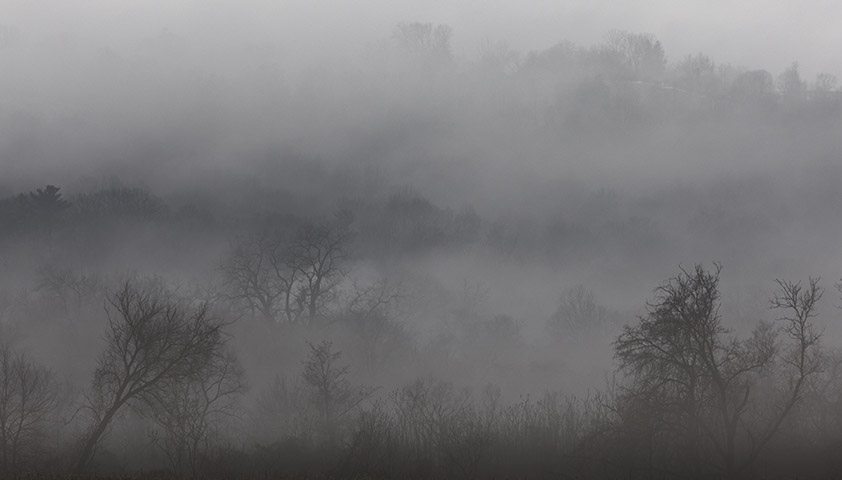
(404, 239)
(752, 33)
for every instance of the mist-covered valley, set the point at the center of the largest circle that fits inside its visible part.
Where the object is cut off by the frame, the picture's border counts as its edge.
(228, 254)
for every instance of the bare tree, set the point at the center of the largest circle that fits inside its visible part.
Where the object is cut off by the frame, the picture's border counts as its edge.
(803, 356)
(701, 381)
(154, 342)
(260, 274)
(289, 278)
(28, 395)
(319, 253)
(332, 393)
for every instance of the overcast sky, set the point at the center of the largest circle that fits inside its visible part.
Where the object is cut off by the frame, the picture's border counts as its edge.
(754, 33)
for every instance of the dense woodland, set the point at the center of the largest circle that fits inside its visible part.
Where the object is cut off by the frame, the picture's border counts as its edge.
(579, 262)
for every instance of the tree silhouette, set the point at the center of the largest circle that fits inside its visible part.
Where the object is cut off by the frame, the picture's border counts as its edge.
(154, 342)
(48, 201)
(332, 393)
(701, 382)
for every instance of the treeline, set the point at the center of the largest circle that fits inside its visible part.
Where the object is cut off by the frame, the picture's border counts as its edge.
(628, 80)
(384, 228)
(422, 103)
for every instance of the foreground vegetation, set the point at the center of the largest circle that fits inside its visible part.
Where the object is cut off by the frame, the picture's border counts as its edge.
(688, 395)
